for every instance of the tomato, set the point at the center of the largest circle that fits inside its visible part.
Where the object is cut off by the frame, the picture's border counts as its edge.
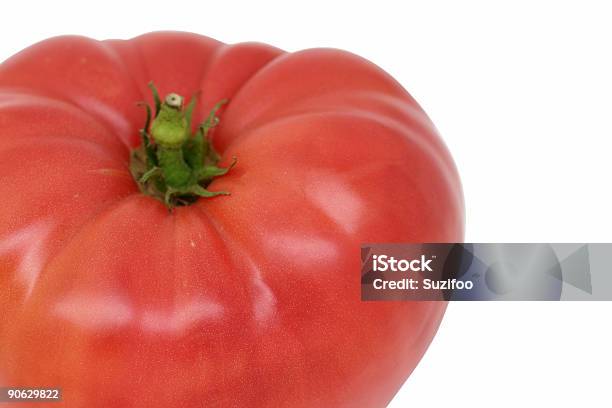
(245, 300)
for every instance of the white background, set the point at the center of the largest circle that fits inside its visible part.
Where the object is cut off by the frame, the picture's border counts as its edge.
(522, 94)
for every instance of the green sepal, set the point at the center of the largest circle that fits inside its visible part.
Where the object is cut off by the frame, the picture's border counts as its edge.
(212, 120)
(189, 112)
(194, 151)
(156, 98)
(154, 171)
(202, 192)
(212, 171)
(146, 139)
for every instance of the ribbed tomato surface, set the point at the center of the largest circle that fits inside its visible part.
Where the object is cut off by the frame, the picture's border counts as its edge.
(247, 300)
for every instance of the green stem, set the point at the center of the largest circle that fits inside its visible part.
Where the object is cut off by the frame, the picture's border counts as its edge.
(172, 164)
(176, 173)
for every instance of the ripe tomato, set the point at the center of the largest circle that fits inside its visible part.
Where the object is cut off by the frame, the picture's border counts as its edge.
(246, 300)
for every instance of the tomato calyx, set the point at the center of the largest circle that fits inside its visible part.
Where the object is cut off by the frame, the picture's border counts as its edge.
(174, 164)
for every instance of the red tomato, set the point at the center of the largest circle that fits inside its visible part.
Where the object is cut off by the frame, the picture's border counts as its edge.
(247, 300)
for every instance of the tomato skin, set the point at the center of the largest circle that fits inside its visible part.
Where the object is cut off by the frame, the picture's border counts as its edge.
(250, 300)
